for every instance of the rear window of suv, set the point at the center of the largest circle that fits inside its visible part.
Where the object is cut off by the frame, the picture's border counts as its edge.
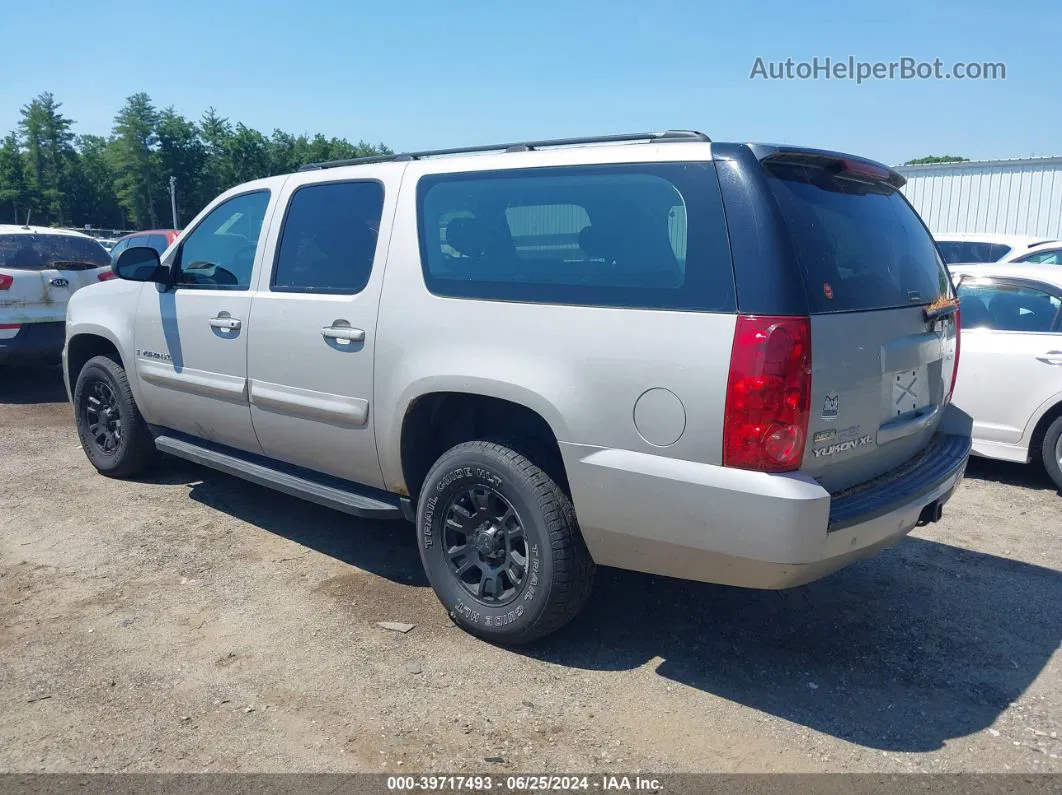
(596, 235)
(860, 244)
(43, 252)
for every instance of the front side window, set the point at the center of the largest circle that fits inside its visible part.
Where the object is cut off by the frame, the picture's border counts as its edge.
(647, 235)
(1007, 307)
(219, 252)
(328, 241)
(1044, 257)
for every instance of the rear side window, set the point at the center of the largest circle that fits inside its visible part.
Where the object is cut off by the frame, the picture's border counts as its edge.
(972, 251)
(643, 236)
(861, 245)
(157, 242)
(1007, 307)
(44, 252)
(328, 241)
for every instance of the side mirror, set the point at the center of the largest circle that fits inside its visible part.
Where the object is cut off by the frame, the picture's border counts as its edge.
(141, 264)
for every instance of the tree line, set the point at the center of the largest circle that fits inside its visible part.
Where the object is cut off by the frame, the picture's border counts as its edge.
(57, 177)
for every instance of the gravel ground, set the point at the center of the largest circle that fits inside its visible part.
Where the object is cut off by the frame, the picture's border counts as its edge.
(190, 621)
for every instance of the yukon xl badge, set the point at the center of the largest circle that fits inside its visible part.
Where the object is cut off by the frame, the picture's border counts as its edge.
(830, 406)
(842, 447)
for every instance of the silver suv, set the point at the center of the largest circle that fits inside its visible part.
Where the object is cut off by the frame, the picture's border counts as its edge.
(723, 362)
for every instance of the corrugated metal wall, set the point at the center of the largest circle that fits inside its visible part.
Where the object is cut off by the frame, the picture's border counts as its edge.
(1022, 197)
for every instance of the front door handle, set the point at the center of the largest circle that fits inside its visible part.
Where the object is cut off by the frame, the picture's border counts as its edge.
(223, 321)
(346, 333)
(1051, 357)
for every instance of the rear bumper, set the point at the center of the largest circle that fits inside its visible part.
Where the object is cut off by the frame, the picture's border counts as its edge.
(33, 341)
(751, 529)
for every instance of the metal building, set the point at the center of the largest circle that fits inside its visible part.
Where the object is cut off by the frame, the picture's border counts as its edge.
(1022, 197)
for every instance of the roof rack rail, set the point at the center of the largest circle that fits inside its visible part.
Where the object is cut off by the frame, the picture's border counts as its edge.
(522, 146)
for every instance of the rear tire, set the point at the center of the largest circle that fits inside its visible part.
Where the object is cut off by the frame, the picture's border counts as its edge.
(1051, 451)
(113, 434)
(522, 569)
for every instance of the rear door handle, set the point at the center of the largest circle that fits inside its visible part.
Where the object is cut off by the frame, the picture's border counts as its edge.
(226, 322)
(1051, 357)
(344, 333)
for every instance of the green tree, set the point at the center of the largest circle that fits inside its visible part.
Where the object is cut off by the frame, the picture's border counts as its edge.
(94, 199)
(216, 132)
(135, 159)
(14, 189)
(248, 152)
(931, 159)
(182, 155)
(49, 152)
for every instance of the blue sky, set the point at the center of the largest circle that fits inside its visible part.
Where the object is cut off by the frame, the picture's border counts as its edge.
(436, 74)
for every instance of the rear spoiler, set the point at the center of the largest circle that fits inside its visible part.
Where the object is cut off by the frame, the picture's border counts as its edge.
(850, 166)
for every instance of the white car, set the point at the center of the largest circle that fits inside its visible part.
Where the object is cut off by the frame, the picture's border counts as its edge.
(1010, 364)
(40, 269)
(985, 247)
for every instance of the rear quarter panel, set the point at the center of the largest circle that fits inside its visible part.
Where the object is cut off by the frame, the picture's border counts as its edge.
(582, 369)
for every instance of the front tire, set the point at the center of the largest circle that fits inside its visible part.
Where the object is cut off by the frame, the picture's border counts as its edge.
(500, 544)
(113, 434)
(1051, 452)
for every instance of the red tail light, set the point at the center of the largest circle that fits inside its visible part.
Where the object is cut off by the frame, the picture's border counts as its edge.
(955, 367)
(106, 276)
(6, 281)
(768, 394)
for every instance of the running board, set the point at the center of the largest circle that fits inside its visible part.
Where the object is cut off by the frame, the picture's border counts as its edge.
(340, 498)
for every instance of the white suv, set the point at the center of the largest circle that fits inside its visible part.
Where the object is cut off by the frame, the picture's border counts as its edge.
(39, 270)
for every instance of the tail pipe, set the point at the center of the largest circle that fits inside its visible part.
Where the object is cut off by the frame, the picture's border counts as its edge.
(931, 513)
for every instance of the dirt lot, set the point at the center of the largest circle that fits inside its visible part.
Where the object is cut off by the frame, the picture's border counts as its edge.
(190, 621)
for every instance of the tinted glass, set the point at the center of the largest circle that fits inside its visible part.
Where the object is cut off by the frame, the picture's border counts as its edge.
(219, 253)
(157, 242)
(1007, 308)
(861, 245)
(1044, 257)
(44, 251)
(119, 247)
(972, 251)
(614, 235)
(328, 241)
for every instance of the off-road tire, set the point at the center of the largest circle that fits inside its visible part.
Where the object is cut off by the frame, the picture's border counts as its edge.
(558, 575)
(135, 451)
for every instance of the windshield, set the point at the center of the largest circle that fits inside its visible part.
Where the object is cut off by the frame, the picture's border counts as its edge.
(861, 246)
(42, 251)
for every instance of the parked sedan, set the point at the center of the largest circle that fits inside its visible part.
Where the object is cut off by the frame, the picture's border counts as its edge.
(1010, 365)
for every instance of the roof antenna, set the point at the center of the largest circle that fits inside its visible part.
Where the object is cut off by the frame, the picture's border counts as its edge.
(26, 225)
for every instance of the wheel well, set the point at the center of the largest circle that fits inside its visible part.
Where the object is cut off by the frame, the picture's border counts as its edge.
(82, 348)
(1036, 441)
(438, 421)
